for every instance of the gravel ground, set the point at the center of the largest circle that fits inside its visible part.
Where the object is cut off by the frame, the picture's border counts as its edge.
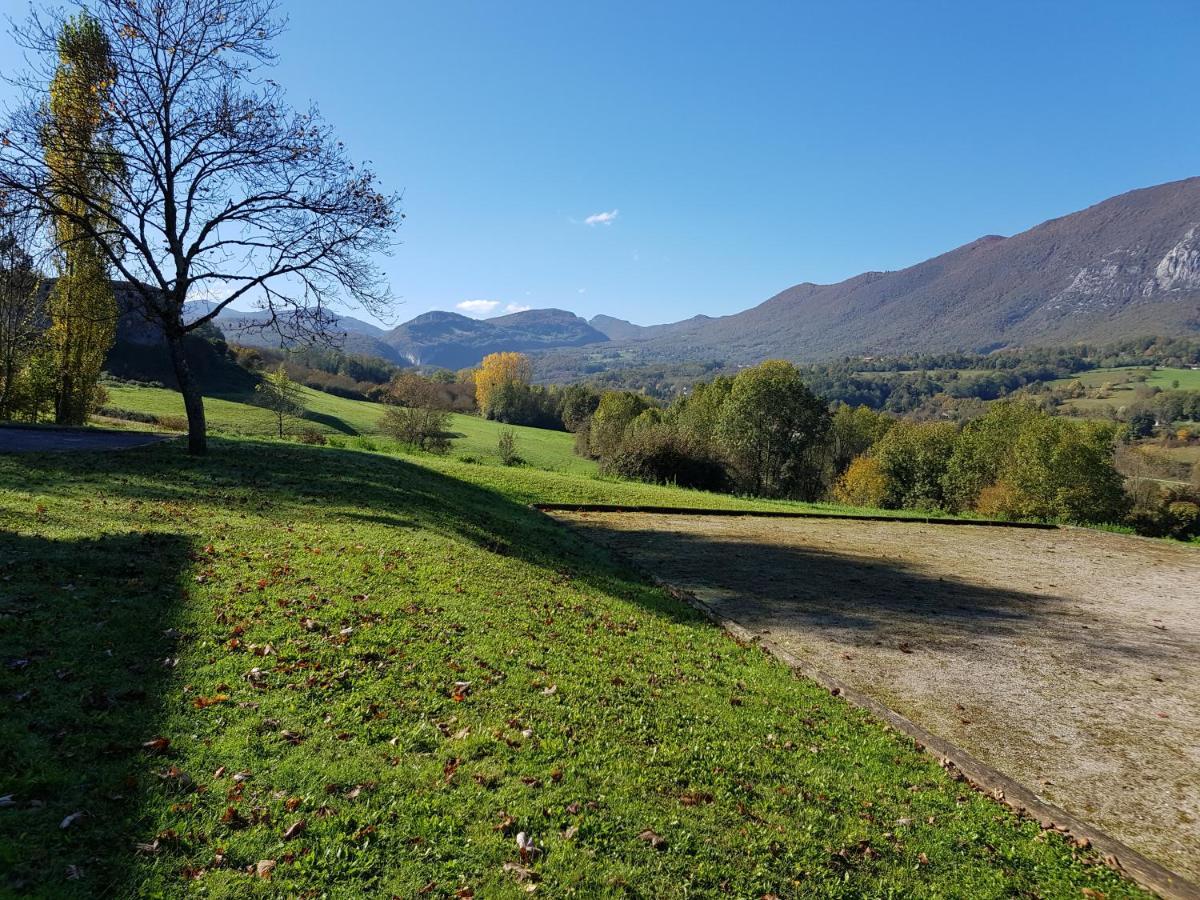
(55, 440)
(1069, 659)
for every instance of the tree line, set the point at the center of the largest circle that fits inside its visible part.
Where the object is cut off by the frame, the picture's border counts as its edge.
(765, 432)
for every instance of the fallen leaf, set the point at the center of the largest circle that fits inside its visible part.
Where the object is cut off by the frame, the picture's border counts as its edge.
(71, 819)
(520, 872)
(264, 867)
(157, 745)
(653, 839)
(295, 829)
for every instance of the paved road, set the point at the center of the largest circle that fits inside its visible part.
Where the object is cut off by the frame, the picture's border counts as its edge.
(1069, 660)
(55, 440)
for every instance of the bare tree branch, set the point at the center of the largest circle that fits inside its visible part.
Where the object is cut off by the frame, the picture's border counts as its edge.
(215, 186)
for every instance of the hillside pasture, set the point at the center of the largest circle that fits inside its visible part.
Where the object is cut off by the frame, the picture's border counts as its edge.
(334, 416)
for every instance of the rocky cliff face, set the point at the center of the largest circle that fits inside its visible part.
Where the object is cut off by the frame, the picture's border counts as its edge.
(1179, 270)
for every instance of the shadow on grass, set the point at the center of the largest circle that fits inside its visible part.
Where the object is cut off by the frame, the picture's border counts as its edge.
(337, 423)
(369, 487)
(83, 684)
(851, 599)
(855, 597)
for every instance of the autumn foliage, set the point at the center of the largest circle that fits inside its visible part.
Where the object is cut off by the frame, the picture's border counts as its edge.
(497, 372)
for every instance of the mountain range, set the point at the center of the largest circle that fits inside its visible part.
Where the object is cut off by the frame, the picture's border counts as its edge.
(1127, 266)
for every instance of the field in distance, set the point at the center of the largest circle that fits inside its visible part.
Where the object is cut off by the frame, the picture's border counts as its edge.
(339, 416)
(1112, 389)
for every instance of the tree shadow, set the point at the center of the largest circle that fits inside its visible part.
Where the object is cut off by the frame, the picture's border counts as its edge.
(849, 599)
(330, 421)
(380, 488)
(83, 683)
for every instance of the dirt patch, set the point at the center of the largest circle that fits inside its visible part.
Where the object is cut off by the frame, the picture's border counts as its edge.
(1069, 660)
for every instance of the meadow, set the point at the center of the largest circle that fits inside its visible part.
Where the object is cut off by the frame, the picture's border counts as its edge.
(340, 417)
(1120, 386)
(284, 669)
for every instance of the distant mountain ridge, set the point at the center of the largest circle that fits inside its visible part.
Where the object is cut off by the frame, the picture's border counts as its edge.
(438, 338)
(1124, 267)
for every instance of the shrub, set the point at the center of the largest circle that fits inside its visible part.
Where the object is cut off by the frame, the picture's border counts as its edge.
(417, 427)
(606, 428)
(312, 436)
(998, 500)
(1064, 470)
(913, 459)
(1174, 513)
(769, 427)
(658, 454)
(127, 415)
(862, 484)
(172, 423)
(506, 445)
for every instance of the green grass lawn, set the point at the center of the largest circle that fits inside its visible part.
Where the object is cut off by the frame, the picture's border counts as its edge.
(339, 416)
(364, 675)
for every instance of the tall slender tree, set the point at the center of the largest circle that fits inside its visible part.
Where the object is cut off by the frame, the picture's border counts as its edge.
(224, 192)
(83, 311)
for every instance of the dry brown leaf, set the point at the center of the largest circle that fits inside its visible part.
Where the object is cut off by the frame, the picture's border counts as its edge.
(655, 840)
(295, 829)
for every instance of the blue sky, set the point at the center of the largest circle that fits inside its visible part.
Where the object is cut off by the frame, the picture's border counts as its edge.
(739, 148)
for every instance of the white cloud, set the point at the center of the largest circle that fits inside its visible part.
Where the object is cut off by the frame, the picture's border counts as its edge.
(516, 307)
(602, 218)
(581, 291)
(477, 307)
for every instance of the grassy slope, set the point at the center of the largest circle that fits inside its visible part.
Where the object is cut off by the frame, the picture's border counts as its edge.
(598, 707)
(340, 416)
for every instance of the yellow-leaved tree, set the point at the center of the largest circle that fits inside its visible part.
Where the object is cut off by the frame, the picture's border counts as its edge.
(82, 309)
(497, 372)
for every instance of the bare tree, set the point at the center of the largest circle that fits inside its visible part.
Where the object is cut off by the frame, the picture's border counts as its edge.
(219, 190)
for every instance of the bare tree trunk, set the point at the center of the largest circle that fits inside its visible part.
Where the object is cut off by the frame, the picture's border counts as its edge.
(193, 402)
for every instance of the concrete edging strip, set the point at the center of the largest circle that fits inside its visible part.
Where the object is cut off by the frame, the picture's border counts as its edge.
(989, 781)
